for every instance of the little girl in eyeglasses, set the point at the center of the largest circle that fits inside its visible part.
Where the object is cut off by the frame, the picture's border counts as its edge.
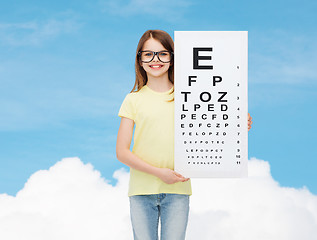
(156, 191)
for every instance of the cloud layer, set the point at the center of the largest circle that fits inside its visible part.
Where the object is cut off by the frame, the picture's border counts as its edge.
(72, 201)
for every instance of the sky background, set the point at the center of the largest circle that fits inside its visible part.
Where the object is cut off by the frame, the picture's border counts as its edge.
(65, 68)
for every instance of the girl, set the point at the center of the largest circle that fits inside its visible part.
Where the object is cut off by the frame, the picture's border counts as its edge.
(155, 189)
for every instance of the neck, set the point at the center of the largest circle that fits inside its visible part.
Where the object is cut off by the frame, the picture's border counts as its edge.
(160, 84)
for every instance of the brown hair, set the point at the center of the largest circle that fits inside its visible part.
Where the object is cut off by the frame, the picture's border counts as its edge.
(165, 39)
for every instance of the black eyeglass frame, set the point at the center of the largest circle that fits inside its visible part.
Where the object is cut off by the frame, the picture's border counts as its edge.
(157, 54)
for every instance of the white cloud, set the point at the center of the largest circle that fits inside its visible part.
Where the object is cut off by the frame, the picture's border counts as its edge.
(72, 201)
(252, 208)
(34, 32)
(38, 107)
(162, 9)
(283, 57)
(68, 201)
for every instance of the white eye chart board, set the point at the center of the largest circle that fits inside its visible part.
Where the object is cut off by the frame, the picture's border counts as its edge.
(211, 103)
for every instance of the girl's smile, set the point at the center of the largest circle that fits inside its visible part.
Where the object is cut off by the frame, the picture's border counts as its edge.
(156, 66)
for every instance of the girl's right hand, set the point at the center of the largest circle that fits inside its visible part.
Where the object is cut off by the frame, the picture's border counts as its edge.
(169, 176)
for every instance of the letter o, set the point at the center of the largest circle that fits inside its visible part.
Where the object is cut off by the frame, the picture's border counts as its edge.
(208, 98)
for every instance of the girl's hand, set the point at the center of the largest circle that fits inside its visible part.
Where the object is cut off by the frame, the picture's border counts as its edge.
(169, 176)
(249, 121)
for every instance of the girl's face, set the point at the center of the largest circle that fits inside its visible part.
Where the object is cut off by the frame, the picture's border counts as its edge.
(155, 68)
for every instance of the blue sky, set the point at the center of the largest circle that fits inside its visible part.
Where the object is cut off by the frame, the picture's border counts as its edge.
(65, 68)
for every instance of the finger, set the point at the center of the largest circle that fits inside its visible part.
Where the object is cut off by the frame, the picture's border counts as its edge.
(178, 175)
(184, 179)
(180, 178)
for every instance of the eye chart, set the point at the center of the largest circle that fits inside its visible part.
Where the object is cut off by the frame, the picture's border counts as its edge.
(211, 103)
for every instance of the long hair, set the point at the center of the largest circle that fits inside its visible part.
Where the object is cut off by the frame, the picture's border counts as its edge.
(140, 75)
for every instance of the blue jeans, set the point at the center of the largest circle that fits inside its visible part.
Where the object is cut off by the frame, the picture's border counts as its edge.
(145, 211)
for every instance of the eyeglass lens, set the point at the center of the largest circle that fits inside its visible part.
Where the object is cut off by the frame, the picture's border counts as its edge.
(148, 56)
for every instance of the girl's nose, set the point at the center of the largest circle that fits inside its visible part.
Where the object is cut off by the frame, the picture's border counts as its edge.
(155, 58)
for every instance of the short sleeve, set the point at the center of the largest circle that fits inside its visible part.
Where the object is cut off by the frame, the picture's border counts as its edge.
(127, 108)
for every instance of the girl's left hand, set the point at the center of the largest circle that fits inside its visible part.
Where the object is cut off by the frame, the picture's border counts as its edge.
(249, 121)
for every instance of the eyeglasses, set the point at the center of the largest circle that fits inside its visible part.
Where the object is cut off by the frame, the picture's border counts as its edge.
(147, 56)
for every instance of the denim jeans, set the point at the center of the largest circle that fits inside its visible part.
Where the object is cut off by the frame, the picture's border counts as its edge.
(145, 211)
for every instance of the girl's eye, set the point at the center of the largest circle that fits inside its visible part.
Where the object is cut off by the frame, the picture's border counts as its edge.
(163, 54)
(148, 54)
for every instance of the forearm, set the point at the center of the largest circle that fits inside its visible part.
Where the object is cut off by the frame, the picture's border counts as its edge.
(130, 159)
